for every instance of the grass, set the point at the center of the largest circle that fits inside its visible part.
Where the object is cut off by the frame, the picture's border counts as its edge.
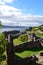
(26, 54)
(29, 52)
(39, 34)
(3, 63)
(17, 41)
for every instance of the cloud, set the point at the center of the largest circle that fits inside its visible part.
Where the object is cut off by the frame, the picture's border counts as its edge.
(10, 15)
(2, 2)
(8, 1)
(9, 10)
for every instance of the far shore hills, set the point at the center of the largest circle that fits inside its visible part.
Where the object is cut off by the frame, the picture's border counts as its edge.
(8, 26)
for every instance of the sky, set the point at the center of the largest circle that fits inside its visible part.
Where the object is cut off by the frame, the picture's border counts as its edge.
(21, 12)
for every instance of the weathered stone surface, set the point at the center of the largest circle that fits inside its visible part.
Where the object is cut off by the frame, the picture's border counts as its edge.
(41, 53)
(12, 59)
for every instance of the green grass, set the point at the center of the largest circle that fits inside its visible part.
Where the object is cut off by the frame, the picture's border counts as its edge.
(39, 34)
(29, 52)
(17, 41)
(3, 63)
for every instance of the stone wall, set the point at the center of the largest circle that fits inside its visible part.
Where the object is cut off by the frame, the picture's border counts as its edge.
(6, 33)
(11, 49)
(28, 45)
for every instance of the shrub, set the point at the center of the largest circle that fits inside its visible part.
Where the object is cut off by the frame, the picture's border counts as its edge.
(23, 38)
(3, 43)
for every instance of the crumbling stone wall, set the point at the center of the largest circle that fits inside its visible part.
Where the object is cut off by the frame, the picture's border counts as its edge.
(10, 49)
(28, 45)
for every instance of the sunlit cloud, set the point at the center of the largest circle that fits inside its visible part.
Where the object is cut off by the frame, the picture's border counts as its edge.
(10, 15)
(2, 2)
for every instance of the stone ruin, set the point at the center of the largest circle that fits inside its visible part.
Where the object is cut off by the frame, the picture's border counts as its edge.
(12, 59)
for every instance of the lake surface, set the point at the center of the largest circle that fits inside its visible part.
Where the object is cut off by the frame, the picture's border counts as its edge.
(10, 29)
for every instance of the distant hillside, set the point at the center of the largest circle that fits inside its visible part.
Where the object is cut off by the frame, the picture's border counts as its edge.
(6, 26)
(27, 28)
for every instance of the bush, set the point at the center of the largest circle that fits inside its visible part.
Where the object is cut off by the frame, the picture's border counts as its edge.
(23, 38)
(3, 43)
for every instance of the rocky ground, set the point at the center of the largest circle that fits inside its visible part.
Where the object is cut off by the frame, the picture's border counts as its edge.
(40, 59)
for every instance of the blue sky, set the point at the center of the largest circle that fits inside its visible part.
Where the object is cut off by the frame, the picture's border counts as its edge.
(30, 6)
(21, 12)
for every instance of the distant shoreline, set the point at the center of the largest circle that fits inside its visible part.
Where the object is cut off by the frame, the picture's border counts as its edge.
(15, 26)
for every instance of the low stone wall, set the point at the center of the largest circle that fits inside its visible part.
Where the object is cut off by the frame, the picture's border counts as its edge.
(28, 45)
(27, 61)
(12, 32)
(11, 58)
(6, 33)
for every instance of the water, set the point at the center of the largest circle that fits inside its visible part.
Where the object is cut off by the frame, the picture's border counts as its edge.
(10, 29)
